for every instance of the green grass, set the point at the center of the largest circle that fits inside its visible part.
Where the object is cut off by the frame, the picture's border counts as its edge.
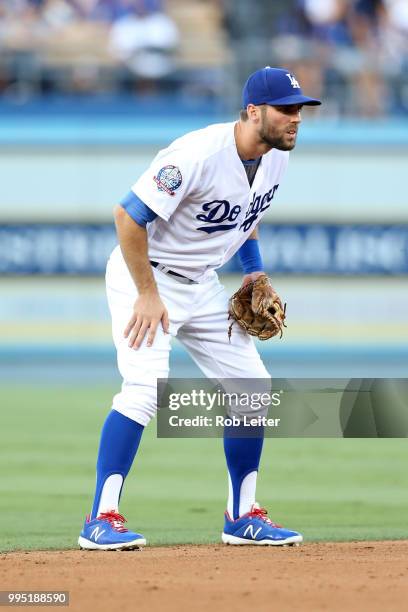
(331, 489)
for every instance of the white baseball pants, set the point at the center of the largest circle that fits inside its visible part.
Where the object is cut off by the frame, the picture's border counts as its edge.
(198, 315)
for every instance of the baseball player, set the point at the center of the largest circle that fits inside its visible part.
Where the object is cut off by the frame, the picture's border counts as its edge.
(199, 202)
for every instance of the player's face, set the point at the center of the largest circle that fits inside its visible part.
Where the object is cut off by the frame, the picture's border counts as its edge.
(279, 126)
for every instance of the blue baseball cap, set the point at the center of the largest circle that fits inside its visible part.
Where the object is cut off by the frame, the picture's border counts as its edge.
(276, 87)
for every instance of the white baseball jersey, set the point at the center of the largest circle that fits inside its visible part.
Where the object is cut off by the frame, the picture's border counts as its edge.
(206, 209)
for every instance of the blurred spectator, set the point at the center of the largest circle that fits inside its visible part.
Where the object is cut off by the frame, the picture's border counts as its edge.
(395, 33)
(22, 32)
(328, 20)
(394, 36)
(57, 13)
(145, 39)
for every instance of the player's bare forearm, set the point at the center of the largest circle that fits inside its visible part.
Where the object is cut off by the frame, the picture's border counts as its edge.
(149, 309)
(133, 244)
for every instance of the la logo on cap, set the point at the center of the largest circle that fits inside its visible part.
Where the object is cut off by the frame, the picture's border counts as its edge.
(293, 81)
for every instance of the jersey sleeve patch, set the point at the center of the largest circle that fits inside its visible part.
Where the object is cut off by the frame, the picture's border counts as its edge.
(168, 179)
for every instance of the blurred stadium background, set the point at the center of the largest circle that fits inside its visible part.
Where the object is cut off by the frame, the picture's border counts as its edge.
(89, 91)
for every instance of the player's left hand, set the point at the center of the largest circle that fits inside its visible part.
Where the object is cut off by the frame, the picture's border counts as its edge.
(257, 308)
(270, 296)
(248, 278)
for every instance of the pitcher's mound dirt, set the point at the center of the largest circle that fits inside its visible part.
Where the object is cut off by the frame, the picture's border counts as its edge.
(331, 576)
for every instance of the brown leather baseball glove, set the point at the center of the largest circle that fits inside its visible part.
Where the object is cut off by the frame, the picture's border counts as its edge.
(257, 308)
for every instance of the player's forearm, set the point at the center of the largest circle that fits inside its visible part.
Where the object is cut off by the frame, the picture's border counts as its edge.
(250, 256)
(134, 247)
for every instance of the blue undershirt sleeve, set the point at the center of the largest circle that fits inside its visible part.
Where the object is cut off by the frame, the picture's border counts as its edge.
(250, 256)
(137, 209)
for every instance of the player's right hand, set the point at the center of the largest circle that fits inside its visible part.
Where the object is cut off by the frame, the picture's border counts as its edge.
(148, 312)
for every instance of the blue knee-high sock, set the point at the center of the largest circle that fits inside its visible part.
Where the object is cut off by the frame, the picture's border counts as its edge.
(243, 455)
(119, 442)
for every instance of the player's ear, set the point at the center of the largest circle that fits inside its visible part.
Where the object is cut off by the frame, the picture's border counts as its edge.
(253, 112)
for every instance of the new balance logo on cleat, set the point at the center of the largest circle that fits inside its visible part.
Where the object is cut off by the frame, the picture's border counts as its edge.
(250, 529)
(96, 534)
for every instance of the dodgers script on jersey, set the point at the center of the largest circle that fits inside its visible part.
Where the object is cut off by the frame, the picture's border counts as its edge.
(199, 182)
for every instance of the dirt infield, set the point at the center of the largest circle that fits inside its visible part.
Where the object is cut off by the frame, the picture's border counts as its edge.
(331, 576)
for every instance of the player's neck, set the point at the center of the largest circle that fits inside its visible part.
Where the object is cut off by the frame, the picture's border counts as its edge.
(247, 143)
